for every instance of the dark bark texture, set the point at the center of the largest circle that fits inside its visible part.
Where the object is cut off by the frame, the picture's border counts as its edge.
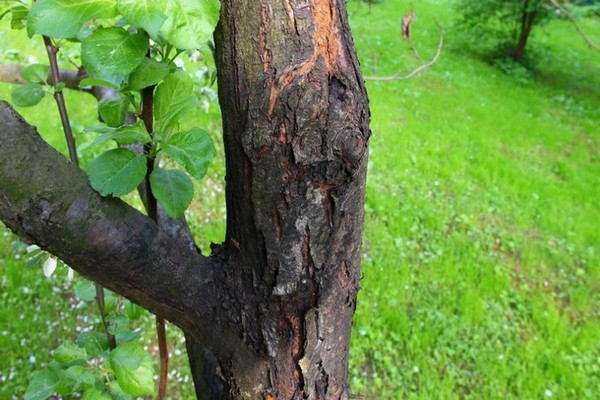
(295, 131)
(268, 315)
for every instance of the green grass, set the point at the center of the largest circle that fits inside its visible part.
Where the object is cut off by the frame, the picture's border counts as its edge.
(481, 268)
(481, 250)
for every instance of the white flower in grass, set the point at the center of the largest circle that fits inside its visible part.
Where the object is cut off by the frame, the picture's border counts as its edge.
(49, 267)
(548, 393)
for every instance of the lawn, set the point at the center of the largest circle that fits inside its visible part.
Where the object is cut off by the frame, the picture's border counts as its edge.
(481, 264)
(481, 268)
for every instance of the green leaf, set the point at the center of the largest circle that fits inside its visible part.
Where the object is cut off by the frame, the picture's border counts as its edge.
(145, 14)
(59, 87)
(173, 189)
(64, 18)
(89, 82)
(19, 14)
(28, 95)
(113, 110)
(192, 149)
(37, 259)
(148, 73)
(133, 311)
(132, 367)
(128, 336)
(111, 301)
(190, 23)
(58, 371)
(116, 172)
(94, 393)
(85, 290)
(110, 54)
(173, 99)
(41, 386)
(69, 353)
(126, 134)
(36, 73)
(78, 377)
(117, 323)
(94, 343)
(117, 393)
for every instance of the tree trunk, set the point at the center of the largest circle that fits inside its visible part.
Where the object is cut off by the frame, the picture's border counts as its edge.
(295, 121)
(268, 315)
(527, 21)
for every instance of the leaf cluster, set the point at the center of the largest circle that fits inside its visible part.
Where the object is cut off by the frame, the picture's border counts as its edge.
(131, 46)
(89, 368)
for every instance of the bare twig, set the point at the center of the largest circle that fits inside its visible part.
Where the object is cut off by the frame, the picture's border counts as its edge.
(398, 75)
(570, 17)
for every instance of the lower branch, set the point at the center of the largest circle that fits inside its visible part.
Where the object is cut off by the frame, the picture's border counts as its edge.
(46, 200)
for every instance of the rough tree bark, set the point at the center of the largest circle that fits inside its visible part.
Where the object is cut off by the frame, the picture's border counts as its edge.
(271, 309)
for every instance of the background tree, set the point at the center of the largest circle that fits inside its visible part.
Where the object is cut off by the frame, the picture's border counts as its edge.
(271, 308)
(504, 25)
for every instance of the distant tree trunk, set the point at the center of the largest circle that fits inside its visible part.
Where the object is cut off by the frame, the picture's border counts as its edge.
(268, 315)
(528, 17)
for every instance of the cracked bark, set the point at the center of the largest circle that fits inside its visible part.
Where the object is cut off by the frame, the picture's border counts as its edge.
(268, 315)
(296, 132)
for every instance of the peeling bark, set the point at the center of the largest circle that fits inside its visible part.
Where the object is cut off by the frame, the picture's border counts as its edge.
(296, 131)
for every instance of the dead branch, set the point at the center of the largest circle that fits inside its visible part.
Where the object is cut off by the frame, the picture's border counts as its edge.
(398, 75)
(580, 30)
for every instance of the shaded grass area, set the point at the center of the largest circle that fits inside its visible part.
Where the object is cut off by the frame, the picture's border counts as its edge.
(481, 266)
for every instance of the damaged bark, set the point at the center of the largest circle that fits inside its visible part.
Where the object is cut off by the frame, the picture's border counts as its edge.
(268, 315)
(295, 130)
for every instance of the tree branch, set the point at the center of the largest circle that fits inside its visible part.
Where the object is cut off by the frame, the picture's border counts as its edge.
(11, 73)
(47, 200)
(398, 75)
(570, 17)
